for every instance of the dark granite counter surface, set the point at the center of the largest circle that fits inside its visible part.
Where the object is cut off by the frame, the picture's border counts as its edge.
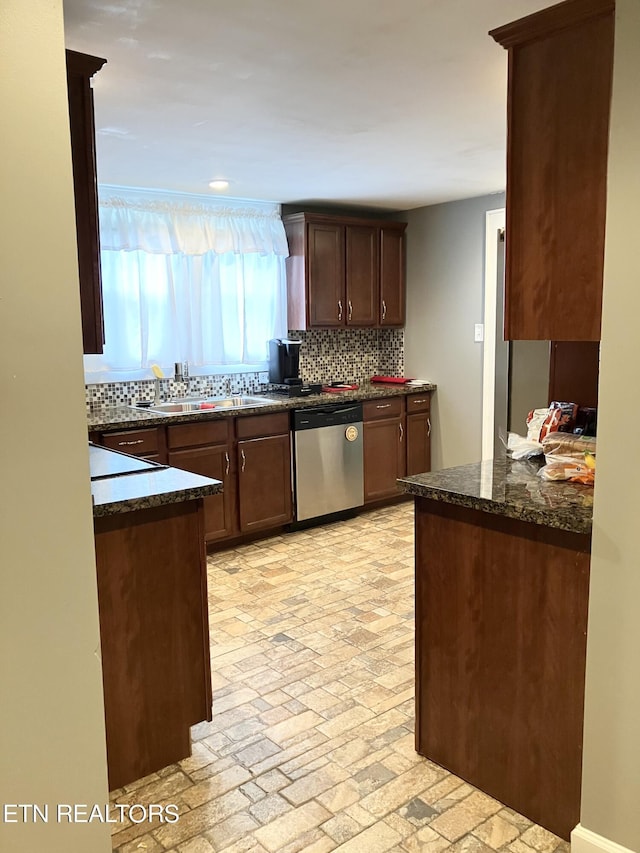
(122, 483)
(509, 488)
(105, 419)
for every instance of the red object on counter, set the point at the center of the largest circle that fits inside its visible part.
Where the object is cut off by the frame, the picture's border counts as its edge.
(391, 380)
(345, 387)
(207, 406)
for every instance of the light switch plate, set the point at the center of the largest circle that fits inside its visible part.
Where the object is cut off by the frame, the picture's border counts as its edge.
(478, 332)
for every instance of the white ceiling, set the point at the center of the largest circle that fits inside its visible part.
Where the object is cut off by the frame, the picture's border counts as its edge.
(379, 103)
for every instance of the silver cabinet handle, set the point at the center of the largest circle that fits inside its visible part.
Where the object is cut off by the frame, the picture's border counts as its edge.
(130, 443)
(401, 432)
(428, 427)
(384, 406)
(350, 309)
(419, 401)
(339, 309)
(226, 470)
(384, 309)
(244, 461)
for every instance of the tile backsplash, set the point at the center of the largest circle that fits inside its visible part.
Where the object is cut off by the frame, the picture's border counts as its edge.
(350, 354)
(325, 355)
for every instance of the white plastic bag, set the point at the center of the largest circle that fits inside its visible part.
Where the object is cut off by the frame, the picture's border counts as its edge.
(523, 448)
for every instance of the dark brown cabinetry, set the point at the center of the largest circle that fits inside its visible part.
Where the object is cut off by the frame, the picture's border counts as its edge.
(344, 272)
(250, 455)
(326, 274)
(206, 448)
(418, 435)
(501, 630)
(149, 443)
(80, 70)
(560, 73)
(264, 472)
(154, 636)
(384, 447)
(362, 274)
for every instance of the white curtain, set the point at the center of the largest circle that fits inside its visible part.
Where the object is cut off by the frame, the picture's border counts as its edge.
(185, 282)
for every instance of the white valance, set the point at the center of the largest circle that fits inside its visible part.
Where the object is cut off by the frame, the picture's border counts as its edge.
(184, 227)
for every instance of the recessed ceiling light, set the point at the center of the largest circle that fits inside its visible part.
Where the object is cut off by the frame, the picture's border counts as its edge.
(219, 185)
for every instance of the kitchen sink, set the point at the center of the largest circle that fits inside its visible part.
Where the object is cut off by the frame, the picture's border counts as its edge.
(203, 405)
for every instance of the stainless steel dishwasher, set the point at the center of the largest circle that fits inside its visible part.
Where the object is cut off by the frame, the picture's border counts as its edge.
(328, 463)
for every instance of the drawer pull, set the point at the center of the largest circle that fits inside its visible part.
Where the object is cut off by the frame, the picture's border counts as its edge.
(244, 461)
(419, 401)
(226, 470)
(428, 427)
(384, 309)
(339, 309)
(130, 443)
(350, 310)
(384, 406)
(401, 432)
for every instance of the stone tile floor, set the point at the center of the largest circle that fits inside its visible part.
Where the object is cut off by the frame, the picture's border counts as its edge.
(311, 746)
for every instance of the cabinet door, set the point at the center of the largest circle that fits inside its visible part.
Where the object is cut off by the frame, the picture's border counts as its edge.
(560, 72)
(215, 462)
(418, 443)
(325, 271)
(264, 482)
(362, 274)
(384, 458)
(392, 312)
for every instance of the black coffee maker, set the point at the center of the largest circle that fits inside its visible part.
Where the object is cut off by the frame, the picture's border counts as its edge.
(284, 362)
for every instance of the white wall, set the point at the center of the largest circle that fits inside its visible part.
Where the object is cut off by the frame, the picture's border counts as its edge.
(51, 710)
(611, 768)
(445, 264)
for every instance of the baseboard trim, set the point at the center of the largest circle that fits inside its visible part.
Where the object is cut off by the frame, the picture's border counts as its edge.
(585, 841)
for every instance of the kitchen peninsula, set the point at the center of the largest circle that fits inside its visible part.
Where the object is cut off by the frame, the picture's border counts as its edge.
(152, 600)
(502, 581)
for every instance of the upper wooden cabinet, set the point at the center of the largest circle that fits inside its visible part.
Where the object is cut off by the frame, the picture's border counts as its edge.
(344, 272)
(80, 70)
(559, 93)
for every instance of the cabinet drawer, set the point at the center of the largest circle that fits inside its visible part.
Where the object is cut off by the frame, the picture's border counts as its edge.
(255, 426)
(418, 403)
(134, 441)
(388, 407)
(197, 434)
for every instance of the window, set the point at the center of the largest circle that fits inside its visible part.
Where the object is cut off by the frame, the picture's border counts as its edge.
(185, 281)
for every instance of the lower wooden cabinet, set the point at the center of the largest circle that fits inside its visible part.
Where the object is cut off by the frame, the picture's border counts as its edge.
(418, 434)
(397, 442)
(206, 448)
(251, 456)
(384, 447)
(264, 471)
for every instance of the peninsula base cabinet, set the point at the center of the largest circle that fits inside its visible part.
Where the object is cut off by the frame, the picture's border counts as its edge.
(154, 636)
(501, 627)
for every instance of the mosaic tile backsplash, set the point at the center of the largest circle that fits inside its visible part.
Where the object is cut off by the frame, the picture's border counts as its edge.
(325, 355)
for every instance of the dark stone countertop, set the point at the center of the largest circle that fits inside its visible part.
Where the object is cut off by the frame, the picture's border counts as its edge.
(123, 483)
(106, 419)
(509, 488)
